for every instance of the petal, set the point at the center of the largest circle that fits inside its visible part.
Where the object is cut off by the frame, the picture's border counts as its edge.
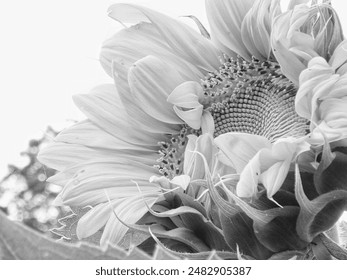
(238, 148)
(135, 114)
(225, 18)
(186, 95)
(290, 64)
(104, 108)
(131, 44)
(194, 164)
(90, 179)
(207, 123)
(185, 99)
(151, 81)
(88, 134)
(182, 181)
(256, 27)
(129, 211)
(189, 154)
(61, 156)
(249, 178)
(339, 56)
(191, 117)
(93, 220)
(318, 70)
(273, 178)
(293, 3)
(184, 41)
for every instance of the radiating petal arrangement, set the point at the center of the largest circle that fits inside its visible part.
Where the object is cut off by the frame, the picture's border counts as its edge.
(232, 140)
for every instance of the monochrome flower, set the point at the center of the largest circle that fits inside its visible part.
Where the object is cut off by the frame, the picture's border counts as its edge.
(232, 110)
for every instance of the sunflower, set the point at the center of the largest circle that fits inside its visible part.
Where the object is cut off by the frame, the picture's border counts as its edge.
(176, 90)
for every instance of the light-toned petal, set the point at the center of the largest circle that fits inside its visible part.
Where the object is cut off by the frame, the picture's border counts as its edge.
(88, 134)
(256, 27)
(189, 155)
(236, 149)
(339, 57)
(318, 71)
(58, 155)
(136, 116)
(207, 123)
(225, 18)
(93, 220)
(151, 88)
(185, 99)
(186, 95)
(61, 156)
(184, 41)
(89, 180)
(296, 38)
(293, 3)
(291, 65)
(249, 178)
(132, 44)
(104, 108)
(129, 211)
(191, 117)
(273, 177)
(198, 147)
(181, 180)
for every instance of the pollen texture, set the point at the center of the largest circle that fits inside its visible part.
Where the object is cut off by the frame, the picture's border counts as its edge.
(252, 97)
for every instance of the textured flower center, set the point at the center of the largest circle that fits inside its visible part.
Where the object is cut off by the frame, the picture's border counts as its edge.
(171, 154)
(249, 97)
(252, 97)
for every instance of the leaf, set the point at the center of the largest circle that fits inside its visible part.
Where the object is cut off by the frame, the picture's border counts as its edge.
(200, 225)
(161, 254)
(320, 214)
(207, 232)
(275, 227)
(288, 255)
(67, 231)
(19, 242)
(331, 173)
(238, 232)
(280, 234)
(202, 255)
(180, 234)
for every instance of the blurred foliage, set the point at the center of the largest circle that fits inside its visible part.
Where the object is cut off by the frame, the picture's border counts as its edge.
(24, 193)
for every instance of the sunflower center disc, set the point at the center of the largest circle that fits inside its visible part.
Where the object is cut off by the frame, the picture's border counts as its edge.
(249, 97)
(252, 97)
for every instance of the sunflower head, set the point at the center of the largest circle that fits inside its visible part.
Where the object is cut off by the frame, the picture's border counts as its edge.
(227, 141)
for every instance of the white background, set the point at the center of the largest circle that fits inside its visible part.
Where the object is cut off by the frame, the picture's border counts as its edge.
(49, 51)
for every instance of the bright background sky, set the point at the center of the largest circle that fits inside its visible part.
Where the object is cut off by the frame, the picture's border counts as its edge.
(49, 51)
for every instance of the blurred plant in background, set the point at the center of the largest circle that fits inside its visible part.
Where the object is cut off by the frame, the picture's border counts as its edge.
(24, 193)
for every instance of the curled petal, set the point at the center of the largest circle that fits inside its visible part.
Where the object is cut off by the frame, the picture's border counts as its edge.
(238, 148)
(225, 18)
(256, 27)
(185, 99)
(184, 41)
(151, 88)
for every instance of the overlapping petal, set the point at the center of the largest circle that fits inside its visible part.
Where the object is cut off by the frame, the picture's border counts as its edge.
(262, 161)
(256, 28)
(225, 18)
(184, 41)
(303, 33)
(151, 89)
(322, 99)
